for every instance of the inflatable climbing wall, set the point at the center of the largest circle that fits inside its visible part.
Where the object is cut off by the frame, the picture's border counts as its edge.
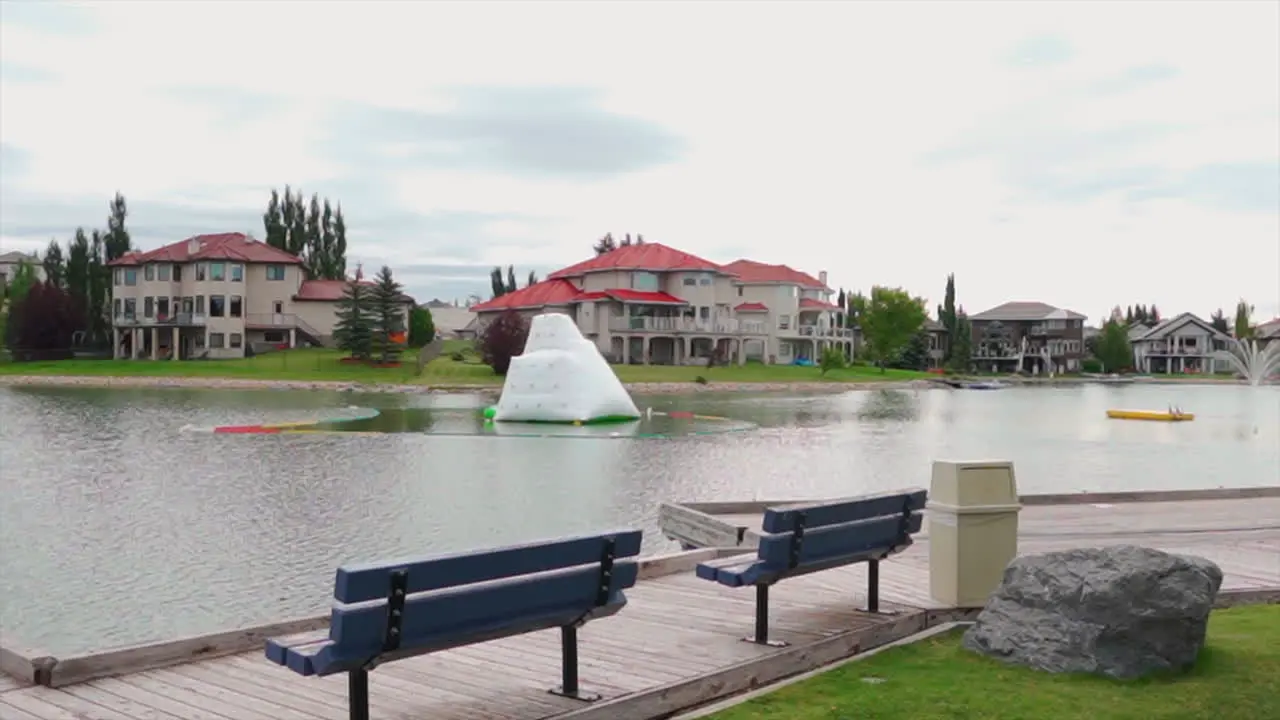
(563, 378)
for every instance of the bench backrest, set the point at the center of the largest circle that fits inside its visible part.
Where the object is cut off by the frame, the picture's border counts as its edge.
(477, 592)
(824, 532)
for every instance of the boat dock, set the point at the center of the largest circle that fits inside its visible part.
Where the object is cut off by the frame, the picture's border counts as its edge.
(675, 646)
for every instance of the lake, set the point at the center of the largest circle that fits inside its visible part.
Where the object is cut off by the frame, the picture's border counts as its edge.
(119, 525)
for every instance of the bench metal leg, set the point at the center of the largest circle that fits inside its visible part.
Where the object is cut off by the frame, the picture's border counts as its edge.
(762, 620)
(358, 694)
(569, 667)
(873, 586)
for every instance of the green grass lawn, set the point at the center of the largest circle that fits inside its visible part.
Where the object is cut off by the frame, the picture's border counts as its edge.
(1236, 678)
(325, 365)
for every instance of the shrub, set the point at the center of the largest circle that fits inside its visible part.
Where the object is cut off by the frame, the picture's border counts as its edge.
(832, 359)
(1091, 365)
(502, 340)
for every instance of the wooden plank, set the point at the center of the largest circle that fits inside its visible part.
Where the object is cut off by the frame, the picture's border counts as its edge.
(1150, 496)
(692, 528)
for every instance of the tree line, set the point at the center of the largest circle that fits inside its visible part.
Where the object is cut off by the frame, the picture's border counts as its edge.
(316, 232)
(71, 306)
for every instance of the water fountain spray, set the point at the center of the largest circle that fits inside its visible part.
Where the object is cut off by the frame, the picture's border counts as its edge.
(1255, 364)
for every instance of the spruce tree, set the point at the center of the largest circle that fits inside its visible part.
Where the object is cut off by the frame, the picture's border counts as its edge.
(339, 259)
(387, 316)
(99, 289)
(353, 332)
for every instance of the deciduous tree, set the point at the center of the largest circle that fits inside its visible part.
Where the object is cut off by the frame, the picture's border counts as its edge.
(1244, 320)
(1114, 351)
(503, 339)
(891, 318)
(422, 327)
(1219, 322)
(54, 267)
(961, 344)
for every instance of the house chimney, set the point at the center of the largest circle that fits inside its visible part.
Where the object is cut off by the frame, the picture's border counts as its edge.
(822, 278)
(193, 246)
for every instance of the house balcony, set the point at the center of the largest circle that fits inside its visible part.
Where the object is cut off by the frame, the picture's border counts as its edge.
(1176, 350)
(170, 320)
(675, 325)
(816, 331)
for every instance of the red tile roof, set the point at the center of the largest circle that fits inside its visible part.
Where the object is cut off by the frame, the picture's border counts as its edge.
(547, 292)
(649, 256)
(751, 272)
(752, 307)
(330, 290)
(236, 247)
(811, 304)
(633, 296)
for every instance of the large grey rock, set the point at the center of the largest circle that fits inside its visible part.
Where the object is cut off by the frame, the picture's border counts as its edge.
(1121, 611)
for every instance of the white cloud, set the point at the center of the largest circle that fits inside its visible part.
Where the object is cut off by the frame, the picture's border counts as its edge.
(808, 130)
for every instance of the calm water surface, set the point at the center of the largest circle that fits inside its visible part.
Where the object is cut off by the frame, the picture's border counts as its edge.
(117, 526)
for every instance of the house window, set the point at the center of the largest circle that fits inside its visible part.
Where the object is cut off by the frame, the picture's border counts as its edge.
(784, 322)
(704, 313)
(201, 269)
(130, 308)
(237, 340)
(119, 274)
(217, 305)
(217, 340)
(273, 336)
(217, 271)
(149, 272)
(148, 307)
(131, 277)
(162, 308)
(177, 273)
(162, 272)
(118, 307)
(188, 305)
(690, 282)
(275, 272)
(199, 304)
(704, 280)
(237, 273)
(236, 304)
(644, 281)
(200, 341)
(740, 288)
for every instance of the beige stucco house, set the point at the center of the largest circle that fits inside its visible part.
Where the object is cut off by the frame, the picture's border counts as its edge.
(215, 296)
(650, 303)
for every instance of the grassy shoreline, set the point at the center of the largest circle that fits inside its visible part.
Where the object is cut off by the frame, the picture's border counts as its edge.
(325, 367)
(1237, 676)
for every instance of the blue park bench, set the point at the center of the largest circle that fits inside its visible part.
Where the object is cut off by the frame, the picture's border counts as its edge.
(388, 611)
(806, 539)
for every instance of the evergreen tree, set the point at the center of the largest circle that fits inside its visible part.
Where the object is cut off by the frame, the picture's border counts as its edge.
(353, 331)
(1219, 322)
(273, 223)
(117, 242)
(1244, 320)
(422, 327)
(605, 244)
(314, 252)
(54, 270)
(99, 291)
(326, 241)
(961, 344)
(496, 283)
(532, 279)
(338, 262)
(915, 355)
(947, 312)
(296, 244)
(511, 279)
(387, 316)
(1153, 314)
(77, 278)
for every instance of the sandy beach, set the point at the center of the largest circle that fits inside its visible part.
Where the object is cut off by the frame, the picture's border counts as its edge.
(216, 383)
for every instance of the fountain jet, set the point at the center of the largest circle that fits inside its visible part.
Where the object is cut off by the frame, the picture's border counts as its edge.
(1255, 364)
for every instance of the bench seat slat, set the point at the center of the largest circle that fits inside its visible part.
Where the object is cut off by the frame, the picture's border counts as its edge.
(369, 581)
(833, 513)
(726, 570)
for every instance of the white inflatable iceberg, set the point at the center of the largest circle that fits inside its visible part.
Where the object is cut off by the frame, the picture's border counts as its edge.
(562, 378)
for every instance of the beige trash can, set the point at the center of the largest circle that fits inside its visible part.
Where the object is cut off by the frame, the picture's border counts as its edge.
(973, 529)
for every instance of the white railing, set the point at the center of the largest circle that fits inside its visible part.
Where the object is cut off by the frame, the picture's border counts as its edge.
(166, 320)
(819, 331)
(727, 326)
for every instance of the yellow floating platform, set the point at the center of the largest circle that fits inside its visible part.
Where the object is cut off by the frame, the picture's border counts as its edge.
(1160, 415)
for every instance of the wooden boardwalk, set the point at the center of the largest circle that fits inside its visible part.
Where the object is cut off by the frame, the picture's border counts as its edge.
(676, 644)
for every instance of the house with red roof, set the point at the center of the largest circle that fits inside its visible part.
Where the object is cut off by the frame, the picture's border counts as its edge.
(650, 303)
(215, 296)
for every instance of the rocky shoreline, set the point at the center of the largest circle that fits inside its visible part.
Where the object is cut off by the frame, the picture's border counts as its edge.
(224, 383)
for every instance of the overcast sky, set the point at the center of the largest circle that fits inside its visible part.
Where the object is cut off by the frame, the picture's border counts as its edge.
(1083, 154)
